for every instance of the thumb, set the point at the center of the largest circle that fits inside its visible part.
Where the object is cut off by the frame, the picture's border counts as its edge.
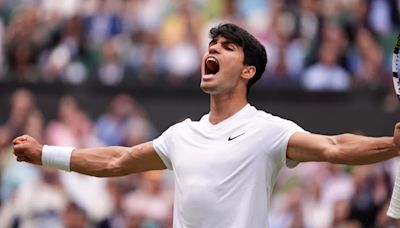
(398, 126)
(396, 134)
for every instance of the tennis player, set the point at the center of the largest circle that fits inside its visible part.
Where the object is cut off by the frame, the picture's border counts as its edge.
(225, 165)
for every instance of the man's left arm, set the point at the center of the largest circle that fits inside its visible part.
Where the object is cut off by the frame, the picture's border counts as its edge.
(343, 149)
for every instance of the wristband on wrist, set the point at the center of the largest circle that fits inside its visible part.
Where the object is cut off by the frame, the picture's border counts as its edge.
(58, 157)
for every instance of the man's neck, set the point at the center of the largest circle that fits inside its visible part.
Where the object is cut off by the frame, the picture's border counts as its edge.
(223, 107)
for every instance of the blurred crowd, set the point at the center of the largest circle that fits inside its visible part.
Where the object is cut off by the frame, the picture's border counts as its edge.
(317, 45)
(32, 196)
(313, 195)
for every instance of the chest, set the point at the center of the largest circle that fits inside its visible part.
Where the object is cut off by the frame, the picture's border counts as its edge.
(223, 154)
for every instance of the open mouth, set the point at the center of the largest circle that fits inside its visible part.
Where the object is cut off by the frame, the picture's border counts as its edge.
(211, 66)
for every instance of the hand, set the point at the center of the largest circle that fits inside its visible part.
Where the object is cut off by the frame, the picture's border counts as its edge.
(27, 149)
(396, 136)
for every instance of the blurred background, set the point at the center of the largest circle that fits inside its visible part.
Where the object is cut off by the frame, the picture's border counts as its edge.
(90, 73)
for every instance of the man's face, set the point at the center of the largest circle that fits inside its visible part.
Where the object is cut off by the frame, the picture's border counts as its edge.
(222, 66)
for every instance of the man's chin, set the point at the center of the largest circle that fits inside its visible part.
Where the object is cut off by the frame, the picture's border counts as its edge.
(206, 89)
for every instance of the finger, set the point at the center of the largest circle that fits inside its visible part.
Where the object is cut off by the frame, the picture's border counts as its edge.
(22, 159)
(17, 140)
(19, 149)
(24, 138)
(17, 152)
(19, 146)
(25, 159)
(21, 139)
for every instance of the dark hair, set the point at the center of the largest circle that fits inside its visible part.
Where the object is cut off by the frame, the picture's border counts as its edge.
(254, 52)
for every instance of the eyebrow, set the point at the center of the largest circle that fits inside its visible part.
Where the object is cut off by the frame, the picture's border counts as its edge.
(224, 43)
(213, 41)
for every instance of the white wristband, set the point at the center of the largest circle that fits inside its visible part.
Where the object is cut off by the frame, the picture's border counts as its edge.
(57, 156)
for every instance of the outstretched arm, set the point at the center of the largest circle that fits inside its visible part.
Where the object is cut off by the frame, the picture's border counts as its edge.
(100, 162)
(343, 149)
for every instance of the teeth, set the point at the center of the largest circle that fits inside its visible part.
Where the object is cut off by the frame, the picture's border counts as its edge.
(212, 59)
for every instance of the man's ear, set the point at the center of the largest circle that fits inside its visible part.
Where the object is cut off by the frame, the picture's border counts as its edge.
(248, 72)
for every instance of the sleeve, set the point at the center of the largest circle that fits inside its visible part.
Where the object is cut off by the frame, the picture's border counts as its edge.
(290, 129)
(162, 146)
(279, 134)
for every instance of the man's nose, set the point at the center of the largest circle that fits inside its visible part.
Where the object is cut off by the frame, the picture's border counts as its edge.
(214, 49)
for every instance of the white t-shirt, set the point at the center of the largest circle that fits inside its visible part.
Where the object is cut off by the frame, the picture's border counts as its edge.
(225, 173)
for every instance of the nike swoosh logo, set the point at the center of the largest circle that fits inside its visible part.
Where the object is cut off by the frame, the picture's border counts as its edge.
(232, 138)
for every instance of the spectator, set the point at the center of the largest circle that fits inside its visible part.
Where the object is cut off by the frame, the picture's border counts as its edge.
(309, 21)
(23, 40)
(146, 59)
(369, 195)
(38, 204)
(102, 23)
(62, 130)
(125, 122)
(14, 175)
(326, 74)
(69, 59)
(140, 129)
(317, 213)
(179, 40)
(111, 127)
(150, 201)
(74, 216)
(369, 63)
(383, 16)
(73, 127)
(149, 14)
(64, 9)
(118, 191)
(111, 70)
(286, 61)
(291, 214)
(22, 105)
(23, 117)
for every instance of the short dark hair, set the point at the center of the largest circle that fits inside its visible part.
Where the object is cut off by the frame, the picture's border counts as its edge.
(254, 52)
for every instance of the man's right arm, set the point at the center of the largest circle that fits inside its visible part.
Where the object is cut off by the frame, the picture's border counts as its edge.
(100, 162)
(116, 161)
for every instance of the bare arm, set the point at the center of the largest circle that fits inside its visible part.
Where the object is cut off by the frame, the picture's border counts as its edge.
(116, 161)
(100, 162)
(343, 149)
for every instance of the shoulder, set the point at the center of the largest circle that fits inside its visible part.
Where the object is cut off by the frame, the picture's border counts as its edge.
(183, 125)
(269, 122)
(268, 118)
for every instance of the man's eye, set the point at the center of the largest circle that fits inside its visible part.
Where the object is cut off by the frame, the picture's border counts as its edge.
(229, 48)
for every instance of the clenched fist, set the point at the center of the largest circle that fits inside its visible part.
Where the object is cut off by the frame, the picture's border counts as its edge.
(27, 149)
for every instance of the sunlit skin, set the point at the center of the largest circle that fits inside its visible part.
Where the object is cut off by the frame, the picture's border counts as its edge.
(227, 87)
